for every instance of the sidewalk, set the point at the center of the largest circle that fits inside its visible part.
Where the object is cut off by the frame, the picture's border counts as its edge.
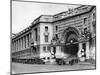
(86, 63)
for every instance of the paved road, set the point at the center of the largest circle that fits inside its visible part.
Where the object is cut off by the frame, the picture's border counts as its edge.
(31, 68)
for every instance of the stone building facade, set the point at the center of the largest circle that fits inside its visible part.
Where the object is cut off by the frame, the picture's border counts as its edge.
(72, 32)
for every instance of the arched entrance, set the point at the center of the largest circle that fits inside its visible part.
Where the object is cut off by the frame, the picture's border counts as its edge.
(71, 36)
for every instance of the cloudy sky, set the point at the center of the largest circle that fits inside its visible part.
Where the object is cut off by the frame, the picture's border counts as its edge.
(24, 13)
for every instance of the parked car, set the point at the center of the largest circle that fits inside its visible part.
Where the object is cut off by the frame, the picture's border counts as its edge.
(72, 59)
(39, 61)
(60, 61)
(34, 61)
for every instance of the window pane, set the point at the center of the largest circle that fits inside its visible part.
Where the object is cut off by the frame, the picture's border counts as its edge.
(46, 28)
(44, 48)
(46, 38)
(85, 20)
(36, 34)
(56, 28)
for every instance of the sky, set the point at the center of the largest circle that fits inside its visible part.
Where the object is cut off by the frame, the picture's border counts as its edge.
(24, 13)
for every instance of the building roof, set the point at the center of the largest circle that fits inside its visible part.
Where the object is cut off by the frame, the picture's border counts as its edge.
(72, 12)
(61, 15)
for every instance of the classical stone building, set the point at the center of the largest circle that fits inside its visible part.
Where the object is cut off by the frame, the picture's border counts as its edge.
(72, 32)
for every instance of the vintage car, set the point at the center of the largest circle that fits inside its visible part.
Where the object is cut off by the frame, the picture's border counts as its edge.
(72, 59)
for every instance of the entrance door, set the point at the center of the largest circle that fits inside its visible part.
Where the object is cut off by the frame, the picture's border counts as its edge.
(84, 49)
(71, 35)
(54, 50)
(71, 48)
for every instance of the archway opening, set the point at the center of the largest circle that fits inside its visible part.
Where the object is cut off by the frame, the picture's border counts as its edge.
(71, 43)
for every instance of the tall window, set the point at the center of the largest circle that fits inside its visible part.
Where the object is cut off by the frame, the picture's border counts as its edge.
(84, 46)
(46, 34)
(48, 48)
(85, 21)
(56, 35)
(36, 34)
(56, 28)
(54, 50)
(46, 38)
(84, 49)
(46, 28)
(94, 15)
(44, 48)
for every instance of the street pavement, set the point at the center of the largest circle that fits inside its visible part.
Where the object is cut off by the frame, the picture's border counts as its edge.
(34, 68)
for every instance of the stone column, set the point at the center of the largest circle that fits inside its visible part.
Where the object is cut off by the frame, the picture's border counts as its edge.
(29, 39)
(80, 53)
(26, 41)
(19, 47)
(52, 61)
(87, 50)
(20, 43)
(15, 45)
(79, 50)
(58, 52)
(51, 52)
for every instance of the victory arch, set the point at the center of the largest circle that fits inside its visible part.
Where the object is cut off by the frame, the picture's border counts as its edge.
(72, 45)
(70, 36)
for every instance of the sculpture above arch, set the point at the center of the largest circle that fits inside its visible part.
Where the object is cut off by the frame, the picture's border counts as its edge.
(68, 31)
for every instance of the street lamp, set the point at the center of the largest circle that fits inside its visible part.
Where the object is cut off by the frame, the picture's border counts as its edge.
(71, 41)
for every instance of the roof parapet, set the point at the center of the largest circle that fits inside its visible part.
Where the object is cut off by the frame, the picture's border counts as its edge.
(23, 31)
(72, 12)
(43, 18)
